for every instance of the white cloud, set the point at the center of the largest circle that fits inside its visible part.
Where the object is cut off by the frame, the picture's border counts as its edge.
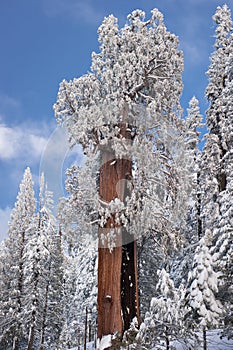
(42, 148)
(4, 219)
(38, 144)
(20, 142)
(8, 141)
(55, 158)
(77, 9)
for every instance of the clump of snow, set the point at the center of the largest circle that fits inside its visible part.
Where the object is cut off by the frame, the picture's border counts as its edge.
(105, 342)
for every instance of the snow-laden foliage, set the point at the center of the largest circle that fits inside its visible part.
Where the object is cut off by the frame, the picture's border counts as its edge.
(216, 175)
(80, 292)
(193, 124)
(30, 310)
(223, 232)
(219, 120)
(151, 257)
(127, 108)
(22, 217)
(80, 267)
(51, 272)
(165, 320)
(79, 212)
(138, 66)
(223, 237)
(216, 71)
(126, 114)
(222, 251)
(206, 309)
(180, 262)
(135, 82)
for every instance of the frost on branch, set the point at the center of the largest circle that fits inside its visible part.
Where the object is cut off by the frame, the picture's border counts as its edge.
(164, 321)
(128, 106)
(132, 67)
(202, 288)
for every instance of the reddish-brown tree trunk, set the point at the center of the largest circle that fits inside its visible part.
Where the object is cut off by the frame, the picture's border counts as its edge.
(117, 268)
(109, 262)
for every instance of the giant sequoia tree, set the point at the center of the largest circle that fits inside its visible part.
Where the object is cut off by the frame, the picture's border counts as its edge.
(126, 115)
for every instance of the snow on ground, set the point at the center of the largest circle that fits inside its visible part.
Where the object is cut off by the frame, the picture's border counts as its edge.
(105, 342)
(214, 342)
(90, 346)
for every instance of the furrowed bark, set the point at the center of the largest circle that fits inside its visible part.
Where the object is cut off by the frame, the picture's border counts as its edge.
(109, 262)
(118, 301)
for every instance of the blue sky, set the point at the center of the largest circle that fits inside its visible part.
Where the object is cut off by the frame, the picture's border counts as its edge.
(45, 41)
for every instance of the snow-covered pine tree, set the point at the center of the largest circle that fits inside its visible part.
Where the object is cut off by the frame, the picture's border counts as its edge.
(222, 252)
(205, 310)
(127, 111)
(5, 330)
(151, 257)
(41, 254)
(213, 177)
(21, 220)
(31, 296)
(51, 272)
(35, 256)
(80, 277)
(74, 305)
(222, 249)
(182, 261)
(217, 162)
(71, 331)
(165, 320)
(153, 254)
(52, 320)
(193, 125)
(84, 298)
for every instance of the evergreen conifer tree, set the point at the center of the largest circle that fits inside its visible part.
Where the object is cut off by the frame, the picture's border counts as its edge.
(165, 320)
(6, 324)
(222, 248)
(206, 310)
(21, 220)
(80, 265)
(50, 272)
(217, 165)
(214, 177)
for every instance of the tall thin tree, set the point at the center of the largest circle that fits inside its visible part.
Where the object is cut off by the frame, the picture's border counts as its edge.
(21, 219)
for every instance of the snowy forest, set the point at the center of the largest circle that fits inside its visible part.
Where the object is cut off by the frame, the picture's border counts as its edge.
(139, 254)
